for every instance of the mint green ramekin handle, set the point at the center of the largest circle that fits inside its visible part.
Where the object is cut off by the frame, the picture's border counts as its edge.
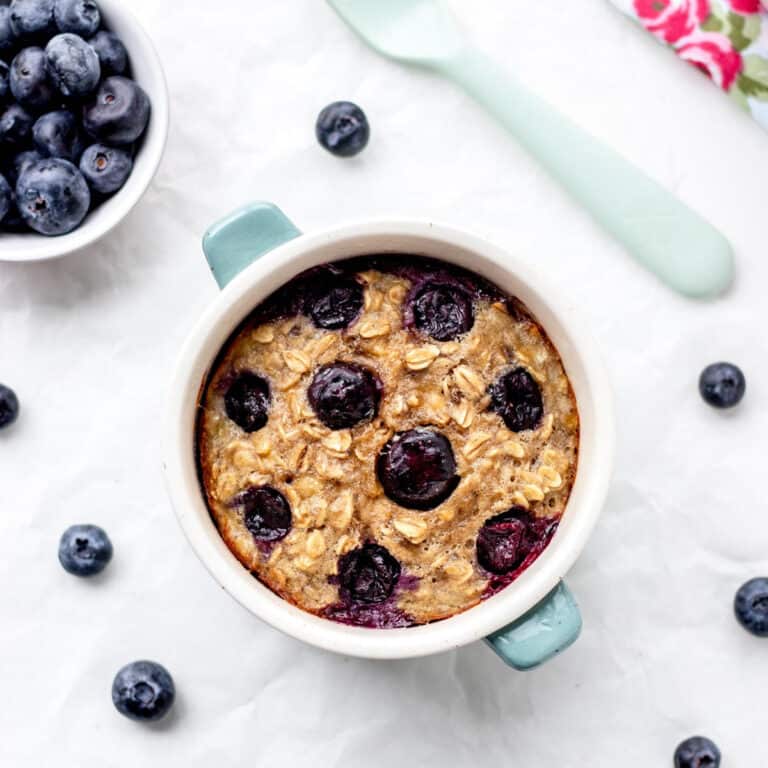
(546, 630)
(242, 237)
(662, 233)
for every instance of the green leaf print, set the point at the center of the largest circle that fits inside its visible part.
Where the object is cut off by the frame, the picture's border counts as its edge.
(739, 96)
(743, 30)
(712, 24)
(753, 81)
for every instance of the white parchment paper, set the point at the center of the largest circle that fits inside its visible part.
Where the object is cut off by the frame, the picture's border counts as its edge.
(89, 344)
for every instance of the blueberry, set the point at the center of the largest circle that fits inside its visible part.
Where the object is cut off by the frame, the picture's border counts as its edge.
(56, 134)
(143, 690)
(52, 196)
(442, 311)
(79, 16)
(334, 301)
(84, 550)
(751, 606)
(505, 541)
(111, 52)
(266, 512)
(8, 40)
(15, 126)
(697, 752)
(29, 80)
(5, 85)
(722, 385)
(247, 401)
(32, 20)
(344, 395)
(118, 113)
(22, 161)
(9, 406)
(516, 397)
(6, 197)
(105, 168)
(342, 128)
(13, 222)
(368, 574)
(417, 469)
(73, 65)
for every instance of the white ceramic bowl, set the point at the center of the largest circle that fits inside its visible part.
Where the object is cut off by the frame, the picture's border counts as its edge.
(148, 72)
(557, 315)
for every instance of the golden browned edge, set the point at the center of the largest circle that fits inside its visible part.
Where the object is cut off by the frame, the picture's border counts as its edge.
(204, 469)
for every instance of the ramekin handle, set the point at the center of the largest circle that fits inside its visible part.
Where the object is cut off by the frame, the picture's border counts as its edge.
(245, 235)
(546, 630)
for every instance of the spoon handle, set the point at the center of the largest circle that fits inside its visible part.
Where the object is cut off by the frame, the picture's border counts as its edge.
(662, 233)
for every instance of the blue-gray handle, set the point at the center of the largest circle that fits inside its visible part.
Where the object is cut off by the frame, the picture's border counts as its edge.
(546, 630)
(661, 232)
(238, 240)
(247, 234)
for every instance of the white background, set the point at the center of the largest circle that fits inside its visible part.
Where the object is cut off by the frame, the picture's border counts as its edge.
(89, 344)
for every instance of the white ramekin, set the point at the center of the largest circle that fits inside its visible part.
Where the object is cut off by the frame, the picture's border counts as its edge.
(247, 237)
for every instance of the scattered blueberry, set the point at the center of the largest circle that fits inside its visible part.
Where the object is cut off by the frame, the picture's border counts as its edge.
(52, 196)
(9, 406)
(56, 134)
(79, 16)
(334, 301)
(516, 397)
(344, 395)
(15, 126)
(111, 52)
(266, 512)
(247, 401)
(8, 39)
(30, 84)
(368, 574)
(342, 128)
(722, 385)
(751, 606)
(84, 550)
(105, 168)
(6, 197)
(697, 752)
(32, 20)
(143, 690)
(118, 113)
(5, 72)
(417, 469)
(443, 312)
(505, 541)
(73, 65)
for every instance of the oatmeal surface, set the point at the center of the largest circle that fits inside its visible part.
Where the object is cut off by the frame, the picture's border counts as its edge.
(328, 477)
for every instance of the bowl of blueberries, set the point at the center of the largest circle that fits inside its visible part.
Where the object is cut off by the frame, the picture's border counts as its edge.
(83, 123)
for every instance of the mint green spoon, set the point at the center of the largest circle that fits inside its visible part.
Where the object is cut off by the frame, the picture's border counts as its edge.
(662, 233)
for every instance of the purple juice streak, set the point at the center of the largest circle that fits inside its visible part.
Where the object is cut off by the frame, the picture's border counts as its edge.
(545, 529)
(384, 615)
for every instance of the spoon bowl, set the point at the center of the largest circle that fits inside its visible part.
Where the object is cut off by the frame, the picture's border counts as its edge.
(417, 32)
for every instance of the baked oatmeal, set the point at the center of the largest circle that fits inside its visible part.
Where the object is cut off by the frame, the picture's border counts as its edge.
(386, 441)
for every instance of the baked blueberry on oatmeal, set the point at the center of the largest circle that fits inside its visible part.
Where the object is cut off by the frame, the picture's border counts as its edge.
(387, 441)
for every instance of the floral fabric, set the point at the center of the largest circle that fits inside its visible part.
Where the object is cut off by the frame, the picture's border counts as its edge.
(725, 39)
